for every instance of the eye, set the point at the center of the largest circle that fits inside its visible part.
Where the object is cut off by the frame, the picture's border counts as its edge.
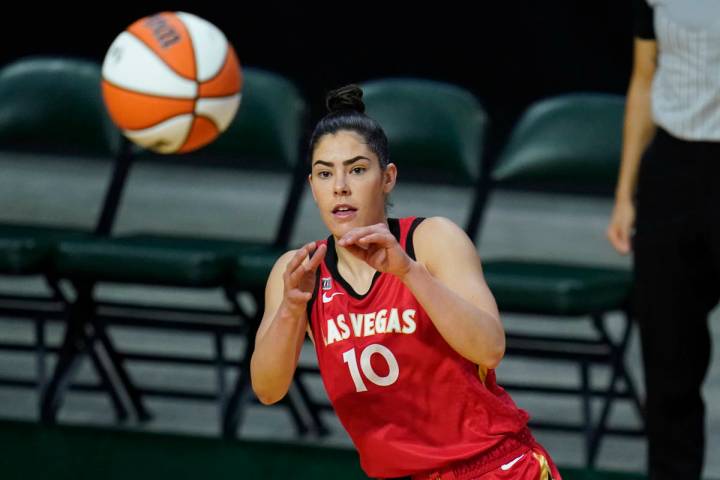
(323, 174)
(358, 170)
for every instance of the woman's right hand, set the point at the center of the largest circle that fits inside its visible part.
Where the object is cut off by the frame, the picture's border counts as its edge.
(299, 278)
(621, 226)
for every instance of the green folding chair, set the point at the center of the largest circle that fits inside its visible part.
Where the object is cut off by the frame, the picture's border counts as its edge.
(568, 144)
(264, 135)
(52, 108)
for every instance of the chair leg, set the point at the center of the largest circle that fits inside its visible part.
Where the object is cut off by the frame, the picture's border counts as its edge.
(238, 399)
(80, 318)
(586, 408)
(117, 363)
(120, 411)
(235, 404)
(619, 371)
(618, 351)
(74, 344)
(600, 428)
(632, 390)
(313, 410)
(301, 427)
(54, 286)
(40, 354)
(221, 387)
(49, 397)
(625, 375)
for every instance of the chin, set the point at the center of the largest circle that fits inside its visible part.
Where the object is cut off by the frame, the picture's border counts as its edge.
(338, 229)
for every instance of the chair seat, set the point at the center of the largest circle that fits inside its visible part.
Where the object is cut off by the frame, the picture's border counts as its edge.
(556, 289)
(26, 249)
(151, 259)
(253, 265)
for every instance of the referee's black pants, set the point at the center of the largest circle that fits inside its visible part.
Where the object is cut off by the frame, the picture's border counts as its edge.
(677, 279)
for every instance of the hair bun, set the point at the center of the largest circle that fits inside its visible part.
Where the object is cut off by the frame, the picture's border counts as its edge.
(348, 97)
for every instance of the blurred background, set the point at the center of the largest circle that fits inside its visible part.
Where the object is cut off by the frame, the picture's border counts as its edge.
(508, 54)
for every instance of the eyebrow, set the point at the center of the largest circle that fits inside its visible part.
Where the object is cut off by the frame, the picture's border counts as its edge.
(345, 162)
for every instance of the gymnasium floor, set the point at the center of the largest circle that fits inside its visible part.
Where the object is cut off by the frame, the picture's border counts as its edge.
(222, 203)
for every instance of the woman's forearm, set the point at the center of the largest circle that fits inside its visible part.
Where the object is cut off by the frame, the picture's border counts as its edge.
(474, 333)
(276, 355)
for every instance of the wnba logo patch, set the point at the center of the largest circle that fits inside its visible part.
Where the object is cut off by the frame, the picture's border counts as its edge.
(326, 283)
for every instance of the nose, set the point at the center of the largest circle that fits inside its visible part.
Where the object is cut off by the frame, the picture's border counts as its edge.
(341, 187)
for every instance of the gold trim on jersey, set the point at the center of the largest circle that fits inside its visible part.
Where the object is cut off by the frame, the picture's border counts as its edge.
(544, 467)
(482, 373)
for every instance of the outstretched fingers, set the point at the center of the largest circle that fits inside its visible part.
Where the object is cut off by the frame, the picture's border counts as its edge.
(298, 268)
(295, 268)
(317, 258)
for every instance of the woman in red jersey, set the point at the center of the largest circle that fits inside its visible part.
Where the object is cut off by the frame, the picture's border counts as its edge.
(406, 331)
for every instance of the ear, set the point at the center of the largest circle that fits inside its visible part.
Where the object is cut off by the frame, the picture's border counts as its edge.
(312, 189)
(389, 177)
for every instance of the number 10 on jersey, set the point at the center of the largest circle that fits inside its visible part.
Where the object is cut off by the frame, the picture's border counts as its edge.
(350, 357)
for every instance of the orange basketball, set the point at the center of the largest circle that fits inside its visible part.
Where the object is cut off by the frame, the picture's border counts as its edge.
(171, 82)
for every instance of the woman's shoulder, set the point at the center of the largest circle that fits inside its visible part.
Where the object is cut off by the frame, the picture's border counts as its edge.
(437, 225)
(434, 235)
(445, 249)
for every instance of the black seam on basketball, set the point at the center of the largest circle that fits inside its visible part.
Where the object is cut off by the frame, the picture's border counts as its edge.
(195, 71)
(222, 66)
(147, 94)
(191, 112)
(220, 130)
(192, 49)
(197, 115)
(220, 96)
(187, 134)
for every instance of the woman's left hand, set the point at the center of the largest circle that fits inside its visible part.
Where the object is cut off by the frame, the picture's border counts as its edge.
(379, 248)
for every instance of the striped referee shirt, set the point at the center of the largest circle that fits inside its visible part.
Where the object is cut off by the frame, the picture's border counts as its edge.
(686, 87)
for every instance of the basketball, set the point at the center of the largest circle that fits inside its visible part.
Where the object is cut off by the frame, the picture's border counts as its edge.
(171, 82)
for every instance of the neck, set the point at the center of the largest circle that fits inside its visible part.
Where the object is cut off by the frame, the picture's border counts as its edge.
(349, 264)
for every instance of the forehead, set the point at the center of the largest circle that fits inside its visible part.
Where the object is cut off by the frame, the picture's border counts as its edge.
(340, 146)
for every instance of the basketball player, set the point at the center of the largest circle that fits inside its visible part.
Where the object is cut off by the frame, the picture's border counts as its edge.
(406, 332)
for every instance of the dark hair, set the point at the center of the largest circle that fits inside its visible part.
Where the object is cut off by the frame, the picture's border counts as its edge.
(346, 111)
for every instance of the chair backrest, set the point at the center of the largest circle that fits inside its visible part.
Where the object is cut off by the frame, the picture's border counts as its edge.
(269, 124)
(265, 135)
(436, 130)
(54, 105)
(569, 143)
(53, 130)
(436, 133)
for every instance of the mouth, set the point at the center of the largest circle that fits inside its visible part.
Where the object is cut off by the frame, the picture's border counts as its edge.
(344, 211)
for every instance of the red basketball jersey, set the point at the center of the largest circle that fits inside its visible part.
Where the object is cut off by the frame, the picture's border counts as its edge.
(409, 402)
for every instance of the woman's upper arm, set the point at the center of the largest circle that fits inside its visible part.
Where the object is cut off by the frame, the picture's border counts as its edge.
(450, 256)
(274, 290)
